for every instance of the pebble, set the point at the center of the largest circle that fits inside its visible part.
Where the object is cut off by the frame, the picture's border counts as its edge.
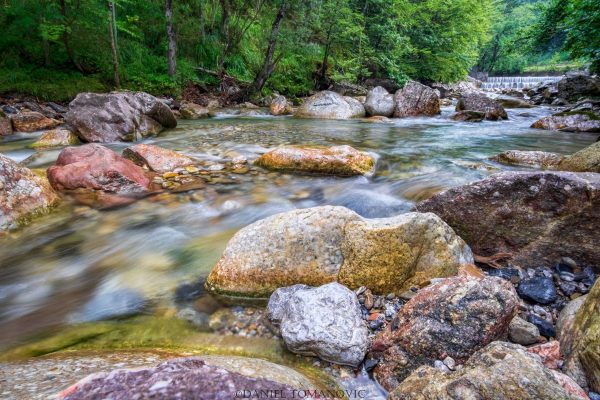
(370, 364)
(546, 328)
(539, 289)
(441, 366)
(450, 363)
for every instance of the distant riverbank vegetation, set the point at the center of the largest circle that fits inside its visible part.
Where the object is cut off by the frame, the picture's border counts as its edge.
(53, 49)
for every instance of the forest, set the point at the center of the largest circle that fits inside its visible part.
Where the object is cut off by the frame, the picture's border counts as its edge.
(54, 49)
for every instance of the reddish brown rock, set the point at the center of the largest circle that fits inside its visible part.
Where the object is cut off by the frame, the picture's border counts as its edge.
(280, 106)
(455, 317)
(32, 121)
(416, 99)
(184, 378)
(538, 217)
(23, 194)
(156, 158)
(336, 160)
(93, 166)
(549, 353)
(481, 103)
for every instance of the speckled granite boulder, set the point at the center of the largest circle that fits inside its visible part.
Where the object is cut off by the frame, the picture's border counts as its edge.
(539, 217)
(23, 195)
(336, 160)
(330, 105)
(156, 158)
(455, 317)
(325, 322)
(280, 106)
(541, 159)
(118, 116)
(319, 245)
(500, 371)
(416, 99)
(185, 378)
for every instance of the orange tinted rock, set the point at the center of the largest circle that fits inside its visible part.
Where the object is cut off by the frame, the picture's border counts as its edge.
(549, 352)
(156, 158)
(32, 121)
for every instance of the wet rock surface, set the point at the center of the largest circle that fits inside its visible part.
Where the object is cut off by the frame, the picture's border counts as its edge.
(468, 116)
(529, 158)
(454, 317)
(336, 160)
(31, 121)
(585, 160)
(186, 378)
(190, 110)
(23, 195)
(156, 158)
(56, 138)
(498, 371)
(569, 122)
(539, 216)
(280, 106)
(416, 99)
(330, 105)
(118, 116)
(481, 103)
(379, 102)
(324, 244)
(324, 321)
(96, 167)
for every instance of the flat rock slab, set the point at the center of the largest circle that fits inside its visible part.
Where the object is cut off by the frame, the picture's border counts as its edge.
(156, 158)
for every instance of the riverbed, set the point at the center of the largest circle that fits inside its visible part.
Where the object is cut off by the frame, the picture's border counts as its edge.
(80, 264)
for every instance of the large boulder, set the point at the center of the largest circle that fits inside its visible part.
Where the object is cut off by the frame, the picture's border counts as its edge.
(585, 160)
(468, 116)
(379, 102)
(183, 378)
(538, 159)
(156, 158)
(571, 88)
(580, 342)
(96, 167)
(454, 317)
(31, 121)
(539, 217)
(574, 121)
(323, 244)
(118, 116)
(336, 160)
(325, 322)
(23, 195)
(55, 138)
(5, 125)
(329, 105)
(481, 103)
(499, 371)
(280, 106)
(416, 99)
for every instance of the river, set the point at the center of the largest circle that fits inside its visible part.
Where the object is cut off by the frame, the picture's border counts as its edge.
(80, 264)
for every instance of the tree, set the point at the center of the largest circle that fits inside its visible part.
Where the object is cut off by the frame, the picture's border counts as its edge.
(172, 46)
(112, 27)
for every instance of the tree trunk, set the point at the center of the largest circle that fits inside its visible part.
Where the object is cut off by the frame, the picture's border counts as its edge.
(66, 37)
(269, 65)
(113, 44)
(172, 45)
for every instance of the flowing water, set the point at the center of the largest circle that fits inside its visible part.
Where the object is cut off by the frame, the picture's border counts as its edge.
(517, 82)
(81, 264)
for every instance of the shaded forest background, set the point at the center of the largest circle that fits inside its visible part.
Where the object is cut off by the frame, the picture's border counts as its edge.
(53, 49)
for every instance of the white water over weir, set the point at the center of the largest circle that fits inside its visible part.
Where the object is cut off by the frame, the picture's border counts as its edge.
(517, 82)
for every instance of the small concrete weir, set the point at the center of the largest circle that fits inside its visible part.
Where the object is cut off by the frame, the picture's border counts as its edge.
(517, 82)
